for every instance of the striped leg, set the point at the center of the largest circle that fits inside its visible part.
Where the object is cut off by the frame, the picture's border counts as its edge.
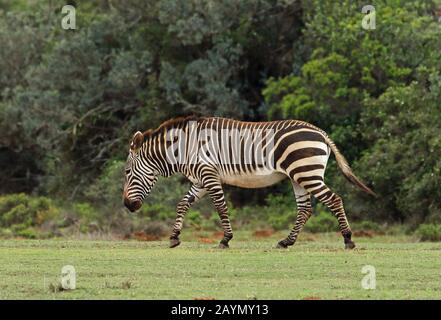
(216, 192)
(217, 196)
(193, 195)
(304, 211)
(335, 204)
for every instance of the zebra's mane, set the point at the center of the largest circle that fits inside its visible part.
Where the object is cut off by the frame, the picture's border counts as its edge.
(171, 123)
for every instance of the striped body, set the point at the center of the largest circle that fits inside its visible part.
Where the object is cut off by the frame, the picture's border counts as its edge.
(211, 152)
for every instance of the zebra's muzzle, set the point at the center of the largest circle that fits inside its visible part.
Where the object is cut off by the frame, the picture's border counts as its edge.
(132, 205)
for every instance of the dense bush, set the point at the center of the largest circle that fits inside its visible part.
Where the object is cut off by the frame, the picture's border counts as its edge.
(429, 232)
(367, 225)
(322, 221)
(403, 161)
(279, 212)
(69, 100)
(21, 215)
(377, 93)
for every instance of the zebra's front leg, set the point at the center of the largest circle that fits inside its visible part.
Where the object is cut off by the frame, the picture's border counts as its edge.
(193, 195)
(304, 212)
(218, 198)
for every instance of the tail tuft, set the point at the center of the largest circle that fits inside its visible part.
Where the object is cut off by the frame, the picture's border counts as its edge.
(346, 169)
(356, 181)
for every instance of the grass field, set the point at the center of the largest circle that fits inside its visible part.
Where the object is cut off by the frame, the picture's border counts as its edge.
(251, 269)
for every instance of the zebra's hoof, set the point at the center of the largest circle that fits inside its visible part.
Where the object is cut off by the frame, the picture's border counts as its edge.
(281, 245)
(223, 245)
(349, 245)
(174, 243)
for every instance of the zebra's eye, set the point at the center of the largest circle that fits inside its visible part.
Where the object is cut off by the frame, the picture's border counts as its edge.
(127, 171)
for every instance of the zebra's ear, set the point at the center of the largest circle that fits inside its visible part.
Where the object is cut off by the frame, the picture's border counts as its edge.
(137, 141)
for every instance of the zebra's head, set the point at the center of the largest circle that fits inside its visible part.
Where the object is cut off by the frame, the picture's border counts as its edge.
(140, 175)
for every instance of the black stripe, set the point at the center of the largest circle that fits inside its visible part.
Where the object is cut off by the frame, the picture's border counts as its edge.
(312, 185)
(280, 132)
(311, 178)
(302, 154)
(319, 189)
(305, 169)
(293, 138)
(325, 196)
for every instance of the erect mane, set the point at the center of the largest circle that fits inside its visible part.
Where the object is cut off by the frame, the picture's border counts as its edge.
(171, 123)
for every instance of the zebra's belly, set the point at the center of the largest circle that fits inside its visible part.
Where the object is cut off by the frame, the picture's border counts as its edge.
(256, 180)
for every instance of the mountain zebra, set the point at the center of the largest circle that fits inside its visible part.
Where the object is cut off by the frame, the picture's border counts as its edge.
(215, 151)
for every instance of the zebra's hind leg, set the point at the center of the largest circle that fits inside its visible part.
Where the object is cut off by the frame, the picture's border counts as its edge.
(304, 211)
(193, 195)
(221, 207)
(335, 204)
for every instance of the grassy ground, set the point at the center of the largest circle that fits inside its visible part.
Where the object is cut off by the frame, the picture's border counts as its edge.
(317, 267)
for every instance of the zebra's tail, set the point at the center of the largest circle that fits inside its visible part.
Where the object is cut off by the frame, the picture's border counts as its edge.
(346, 169)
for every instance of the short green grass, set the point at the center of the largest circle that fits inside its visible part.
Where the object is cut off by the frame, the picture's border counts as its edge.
(251, 269)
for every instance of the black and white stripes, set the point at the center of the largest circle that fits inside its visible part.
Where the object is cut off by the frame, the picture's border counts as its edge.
(211, 152)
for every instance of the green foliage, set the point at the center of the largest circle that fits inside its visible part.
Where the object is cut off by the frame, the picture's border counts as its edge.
(403, 161)
(69, 100)
(280, 211)
(156, 229)
(23, 42)
(429, 232)
(366, 225)
(194, 218)
(322, 222)
(20, 213)
(85, 212)
(157, 211)
(347, 64)
(377, 93)
(322, 90)
(107, 188)
(281, 221)
(29, 233)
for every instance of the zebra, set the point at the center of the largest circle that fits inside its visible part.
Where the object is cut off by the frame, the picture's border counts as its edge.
(294, 150)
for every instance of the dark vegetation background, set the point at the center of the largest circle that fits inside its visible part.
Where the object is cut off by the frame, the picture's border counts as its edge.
(71, 99)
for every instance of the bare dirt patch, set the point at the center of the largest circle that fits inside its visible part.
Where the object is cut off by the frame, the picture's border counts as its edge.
(142, 236)
(264, 233)
(364, 233)
(206, 240)
(218, 234)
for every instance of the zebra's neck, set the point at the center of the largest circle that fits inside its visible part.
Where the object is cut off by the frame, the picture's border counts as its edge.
(155, 152)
